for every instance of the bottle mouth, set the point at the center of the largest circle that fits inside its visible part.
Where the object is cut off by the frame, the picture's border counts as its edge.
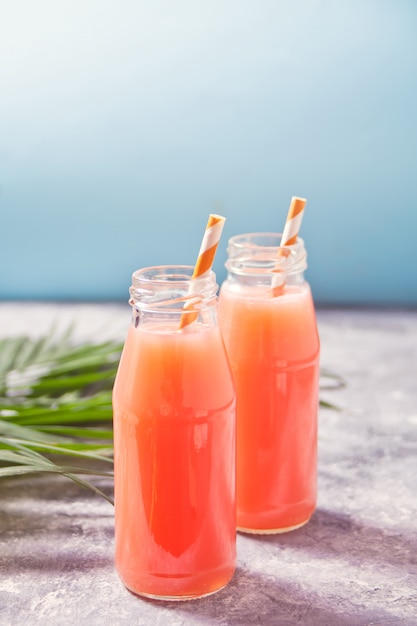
(170, 287)
(260, 254)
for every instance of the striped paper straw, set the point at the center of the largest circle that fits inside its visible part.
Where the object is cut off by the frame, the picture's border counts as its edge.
(205, 260)
(289, 238)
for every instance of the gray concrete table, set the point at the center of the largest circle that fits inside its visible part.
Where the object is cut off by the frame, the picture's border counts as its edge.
(355, 563)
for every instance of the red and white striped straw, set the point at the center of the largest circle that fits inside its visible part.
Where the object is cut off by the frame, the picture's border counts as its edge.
(289, 238)
(205, 260)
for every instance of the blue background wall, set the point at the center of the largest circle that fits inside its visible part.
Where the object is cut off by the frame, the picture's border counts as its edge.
(124, 124)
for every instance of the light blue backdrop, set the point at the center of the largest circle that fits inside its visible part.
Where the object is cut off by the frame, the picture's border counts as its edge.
(124, 124)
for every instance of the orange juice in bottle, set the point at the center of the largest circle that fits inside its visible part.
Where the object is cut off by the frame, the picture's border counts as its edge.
(174, 441)
(273, 348)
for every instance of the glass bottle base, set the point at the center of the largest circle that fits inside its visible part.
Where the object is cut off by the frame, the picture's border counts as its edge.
(178, 588)
(179, 598)
(272, 531)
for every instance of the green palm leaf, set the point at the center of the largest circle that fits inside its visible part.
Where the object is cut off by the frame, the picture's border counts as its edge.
(55, 402)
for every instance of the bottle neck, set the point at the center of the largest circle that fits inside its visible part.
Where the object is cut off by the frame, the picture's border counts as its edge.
(255, 258)
(161, 295)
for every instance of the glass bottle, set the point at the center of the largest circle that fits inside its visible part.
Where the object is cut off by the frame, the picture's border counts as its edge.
(273, 347)
(174, 440)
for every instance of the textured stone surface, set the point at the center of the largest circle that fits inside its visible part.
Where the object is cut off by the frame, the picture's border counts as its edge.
(354, 564)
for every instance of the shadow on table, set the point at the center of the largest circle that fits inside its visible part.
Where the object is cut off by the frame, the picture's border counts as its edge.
(331, 534)
(254, 598)
(50, 524)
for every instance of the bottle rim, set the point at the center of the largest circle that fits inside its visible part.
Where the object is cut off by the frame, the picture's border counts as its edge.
(259, 253)
(169, 287)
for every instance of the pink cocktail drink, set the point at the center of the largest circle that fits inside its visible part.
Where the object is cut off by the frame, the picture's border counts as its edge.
(273, 348)
(174, 439)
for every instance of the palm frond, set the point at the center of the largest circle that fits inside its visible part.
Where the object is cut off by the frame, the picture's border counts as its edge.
(55, 402)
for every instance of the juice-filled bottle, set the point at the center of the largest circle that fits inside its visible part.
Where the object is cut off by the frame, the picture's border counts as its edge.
(273, 348)
(174, 441)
